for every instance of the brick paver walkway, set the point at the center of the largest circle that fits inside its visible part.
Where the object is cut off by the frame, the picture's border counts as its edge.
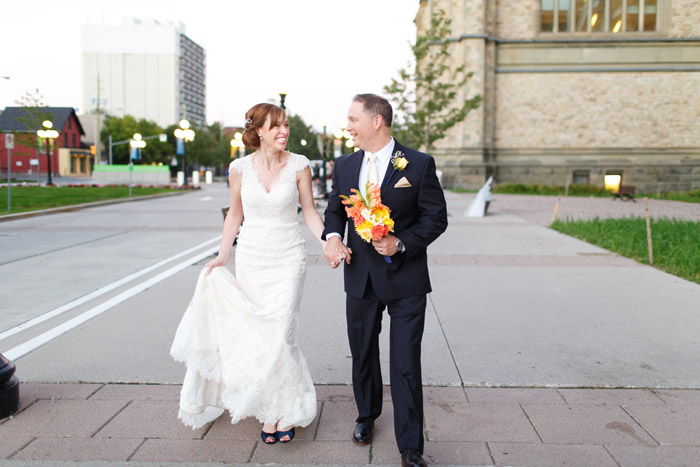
(472, 426)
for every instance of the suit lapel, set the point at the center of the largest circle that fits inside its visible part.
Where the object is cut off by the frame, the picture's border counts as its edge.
(390, 170)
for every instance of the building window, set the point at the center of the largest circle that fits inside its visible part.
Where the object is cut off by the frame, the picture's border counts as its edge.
(581, 177)
(608, 16)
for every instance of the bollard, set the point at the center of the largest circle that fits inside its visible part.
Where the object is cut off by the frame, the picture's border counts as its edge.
(9, 388)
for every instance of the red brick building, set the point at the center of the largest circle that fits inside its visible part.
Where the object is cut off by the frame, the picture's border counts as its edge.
(68, 155)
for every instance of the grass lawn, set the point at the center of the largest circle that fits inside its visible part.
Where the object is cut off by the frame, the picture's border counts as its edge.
(676, 243)
(33, 198)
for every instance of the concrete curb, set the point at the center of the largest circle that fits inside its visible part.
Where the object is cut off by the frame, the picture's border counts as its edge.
(77, 207)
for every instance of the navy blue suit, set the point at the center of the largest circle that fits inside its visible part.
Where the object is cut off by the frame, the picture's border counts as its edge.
(371, 284)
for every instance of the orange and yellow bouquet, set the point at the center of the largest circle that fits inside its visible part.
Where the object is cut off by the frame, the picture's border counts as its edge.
(371, 218)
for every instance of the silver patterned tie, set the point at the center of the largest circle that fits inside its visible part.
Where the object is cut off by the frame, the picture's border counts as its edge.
(372, 169)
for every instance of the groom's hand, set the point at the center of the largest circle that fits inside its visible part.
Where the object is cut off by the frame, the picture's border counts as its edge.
(385, 246)
(335, 252)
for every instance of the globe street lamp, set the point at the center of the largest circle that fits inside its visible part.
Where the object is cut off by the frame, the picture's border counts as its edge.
(183, 134)
(48, 134)
(236, 143)
(137, 143)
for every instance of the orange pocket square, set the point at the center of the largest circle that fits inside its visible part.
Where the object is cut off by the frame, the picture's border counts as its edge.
(403, 183)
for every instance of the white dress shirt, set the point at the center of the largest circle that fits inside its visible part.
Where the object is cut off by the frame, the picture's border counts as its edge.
(382, 163)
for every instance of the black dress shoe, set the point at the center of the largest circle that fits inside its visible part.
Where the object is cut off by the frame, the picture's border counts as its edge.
(411, 458)
(362, 435)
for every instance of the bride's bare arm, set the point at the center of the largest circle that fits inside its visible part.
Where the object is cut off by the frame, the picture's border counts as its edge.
(308, 209)
(232, 222)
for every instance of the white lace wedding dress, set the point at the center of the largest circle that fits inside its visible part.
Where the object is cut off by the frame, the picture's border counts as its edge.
(238, 337)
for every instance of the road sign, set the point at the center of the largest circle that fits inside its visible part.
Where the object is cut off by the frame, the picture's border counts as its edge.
(9, 141)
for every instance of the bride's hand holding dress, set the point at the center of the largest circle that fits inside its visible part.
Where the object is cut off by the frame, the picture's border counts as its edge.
(232, 223)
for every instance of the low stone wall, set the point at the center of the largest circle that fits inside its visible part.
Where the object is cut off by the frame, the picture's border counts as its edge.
(650, 171)
(141, 175)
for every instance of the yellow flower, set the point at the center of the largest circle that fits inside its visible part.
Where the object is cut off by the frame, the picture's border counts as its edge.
(401, 163)
(365, 230)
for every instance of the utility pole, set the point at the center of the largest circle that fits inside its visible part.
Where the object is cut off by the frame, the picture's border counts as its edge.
(98, 153)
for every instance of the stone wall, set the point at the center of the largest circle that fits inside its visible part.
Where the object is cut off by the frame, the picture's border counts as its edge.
(517, 19)
(685, 19)
(141, 175)
(598, 110)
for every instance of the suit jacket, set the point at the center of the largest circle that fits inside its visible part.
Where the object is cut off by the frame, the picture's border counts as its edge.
(420, 216)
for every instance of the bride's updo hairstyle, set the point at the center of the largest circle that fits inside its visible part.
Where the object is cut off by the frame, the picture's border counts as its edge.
(256, 117)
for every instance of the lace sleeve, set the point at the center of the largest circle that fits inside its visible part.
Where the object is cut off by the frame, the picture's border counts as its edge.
(300, 162)
(236, 164)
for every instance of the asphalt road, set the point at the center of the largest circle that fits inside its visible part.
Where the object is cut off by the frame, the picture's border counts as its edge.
(96, 295)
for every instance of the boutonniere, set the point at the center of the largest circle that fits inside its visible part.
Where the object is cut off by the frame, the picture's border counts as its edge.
(399, 161)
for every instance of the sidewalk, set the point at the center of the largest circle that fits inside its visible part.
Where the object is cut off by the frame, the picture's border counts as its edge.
(473, 426)
(530, 338)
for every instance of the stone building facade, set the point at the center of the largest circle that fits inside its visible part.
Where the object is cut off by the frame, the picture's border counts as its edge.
(574, 90)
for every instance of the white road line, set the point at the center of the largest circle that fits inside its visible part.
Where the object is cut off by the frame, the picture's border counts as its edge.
(85, 298)
(36, 342)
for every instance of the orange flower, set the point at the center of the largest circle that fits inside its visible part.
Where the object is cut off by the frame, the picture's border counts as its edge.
(379, 231)
(373, 222)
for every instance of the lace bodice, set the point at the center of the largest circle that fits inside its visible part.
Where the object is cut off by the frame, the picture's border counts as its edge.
(281, 202)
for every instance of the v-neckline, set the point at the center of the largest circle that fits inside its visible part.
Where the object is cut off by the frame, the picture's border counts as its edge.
(277, 182)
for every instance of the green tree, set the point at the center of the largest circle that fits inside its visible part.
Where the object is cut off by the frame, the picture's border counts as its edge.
(123, 129)
(426, 95)
(35, 112)
(220, 152)
(298, 131)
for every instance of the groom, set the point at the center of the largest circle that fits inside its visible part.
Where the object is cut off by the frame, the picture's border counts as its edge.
(410, 188)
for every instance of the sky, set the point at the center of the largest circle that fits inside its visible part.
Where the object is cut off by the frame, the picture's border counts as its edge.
(320, 52)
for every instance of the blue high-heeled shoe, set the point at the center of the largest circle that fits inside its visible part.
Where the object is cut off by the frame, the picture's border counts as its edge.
(282, 434)
(275, 437)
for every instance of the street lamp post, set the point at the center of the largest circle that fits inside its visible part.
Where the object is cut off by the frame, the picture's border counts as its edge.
(237, 144)
(184, 134)
(283, 95)
(48, 134)
(162, 137)
(137, 143)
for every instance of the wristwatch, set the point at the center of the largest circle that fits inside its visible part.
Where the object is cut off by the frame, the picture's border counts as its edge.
(400, 246)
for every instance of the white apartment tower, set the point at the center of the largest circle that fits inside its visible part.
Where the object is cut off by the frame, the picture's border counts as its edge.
(145, 69)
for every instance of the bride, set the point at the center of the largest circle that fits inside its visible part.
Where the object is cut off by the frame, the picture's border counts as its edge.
(238, 337)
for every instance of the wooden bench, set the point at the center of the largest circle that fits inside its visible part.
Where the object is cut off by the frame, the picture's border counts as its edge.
(625, 191)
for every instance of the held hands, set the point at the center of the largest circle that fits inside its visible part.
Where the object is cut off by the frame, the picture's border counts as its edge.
(335, 252)
(385, 246)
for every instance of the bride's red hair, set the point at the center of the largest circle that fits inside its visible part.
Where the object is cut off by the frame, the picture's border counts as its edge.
(256, 118)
